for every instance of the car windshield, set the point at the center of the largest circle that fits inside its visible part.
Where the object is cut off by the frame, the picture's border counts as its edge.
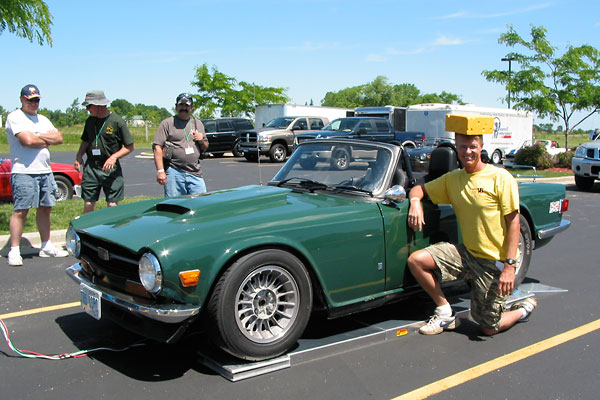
(341, 125)
(279, 123)
(336, 166)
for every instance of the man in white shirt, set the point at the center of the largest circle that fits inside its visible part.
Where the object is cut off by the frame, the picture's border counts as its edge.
(29, 135)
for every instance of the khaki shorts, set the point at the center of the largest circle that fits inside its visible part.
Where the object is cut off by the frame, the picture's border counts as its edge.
(455, 262)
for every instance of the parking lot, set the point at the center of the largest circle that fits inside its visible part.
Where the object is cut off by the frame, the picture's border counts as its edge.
(554, 355)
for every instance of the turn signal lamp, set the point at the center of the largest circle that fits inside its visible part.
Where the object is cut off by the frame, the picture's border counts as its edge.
(564, 205)
(189, 278)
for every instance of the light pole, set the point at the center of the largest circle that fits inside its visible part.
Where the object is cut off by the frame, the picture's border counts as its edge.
(509, 59)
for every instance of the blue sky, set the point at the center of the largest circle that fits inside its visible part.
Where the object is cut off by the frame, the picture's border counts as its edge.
(147, 51)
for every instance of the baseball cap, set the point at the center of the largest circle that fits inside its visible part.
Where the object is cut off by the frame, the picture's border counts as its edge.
(184, 98)
(30, 91)
(95, 97)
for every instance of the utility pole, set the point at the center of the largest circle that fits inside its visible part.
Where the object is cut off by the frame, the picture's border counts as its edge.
(509, 59)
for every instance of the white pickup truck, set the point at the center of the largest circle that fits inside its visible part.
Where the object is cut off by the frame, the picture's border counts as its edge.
(586, 162)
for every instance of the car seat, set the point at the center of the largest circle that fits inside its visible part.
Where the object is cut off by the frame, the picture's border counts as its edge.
(443, 159)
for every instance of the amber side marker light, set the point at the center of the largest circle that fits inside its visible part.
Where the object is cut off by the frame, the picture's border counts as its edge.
(189, 278)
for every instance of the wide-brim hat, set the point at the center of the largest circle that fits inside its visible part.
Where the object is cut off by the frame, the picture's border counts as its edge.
(95, 97)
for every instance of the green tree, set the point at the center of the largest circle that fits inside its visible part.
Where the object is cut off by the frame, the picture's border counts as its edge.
(122, 107)
(217, 91)
(29, 19)
(548, 84)
(380, 92)
(75, 114)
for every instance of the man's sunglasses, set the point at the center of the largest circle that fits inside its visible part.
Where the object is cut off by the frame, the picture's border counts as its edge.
(34, 100)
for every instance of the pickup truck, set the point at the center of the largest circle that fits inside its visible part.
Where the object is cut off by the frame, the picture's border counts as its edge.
(374, 129)
(276, 139)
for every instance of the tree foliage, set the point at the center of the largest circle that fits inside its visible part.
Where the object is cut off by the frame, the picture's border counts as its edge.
(380, 92)
(232, 98)
(29, 19)
(548, 84)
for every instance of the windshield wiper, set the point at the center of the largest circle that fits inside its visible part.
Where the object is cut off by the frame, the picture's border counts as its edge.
(353, 188)
(305, 183)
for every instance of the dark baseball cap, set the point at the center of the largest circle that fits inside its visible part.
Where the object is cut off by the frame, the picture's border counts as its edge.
(185, 98)
(30, 91)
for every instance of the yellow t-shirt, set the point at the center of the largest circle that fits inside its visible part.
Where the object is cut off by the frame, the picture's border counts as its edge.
(480, 201)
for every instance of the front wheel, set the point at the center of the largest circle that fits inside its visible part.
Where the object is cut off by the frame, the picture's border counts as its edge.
(252, 157)
(525, 247)
(340, 159)
(278, 153)
(584, 183)
(261, 304)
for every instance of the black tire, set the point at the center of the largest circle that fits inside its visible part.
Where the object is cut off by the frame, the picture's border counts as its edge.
(584, 183)
(278, 153)
(252, 157)
(261, 304)
(496, 157)
(65, 187)
(236, 150)
(525, 247)
(308, 163)
(340, 159)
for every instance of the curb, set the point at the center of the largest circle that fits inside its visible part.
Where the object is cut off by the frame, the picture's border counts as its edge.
(31, 243)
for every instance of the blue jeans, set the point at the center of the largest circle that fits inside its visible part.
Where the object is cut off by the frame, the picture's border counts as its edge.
(180, 183)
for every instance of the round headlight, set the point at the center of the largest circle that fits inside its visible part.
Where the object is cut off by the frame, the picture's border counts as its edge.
(150, 273)
(73, 243)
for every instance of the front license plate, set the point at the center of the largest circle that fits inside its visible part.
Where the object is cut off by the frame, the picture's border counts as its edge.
(91, 301)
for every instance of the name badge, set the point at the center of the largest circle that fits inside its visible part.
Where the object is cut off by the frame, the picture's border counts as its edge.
(189, 150)
(96, 152)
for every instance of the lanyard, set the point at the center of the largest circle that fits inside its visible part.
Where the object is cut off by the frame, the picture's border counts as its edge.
(100, 131)
(188, 133)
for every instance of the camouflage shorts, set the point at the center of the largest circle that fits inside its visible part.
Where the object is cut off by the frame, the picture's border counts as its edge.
(455, 262)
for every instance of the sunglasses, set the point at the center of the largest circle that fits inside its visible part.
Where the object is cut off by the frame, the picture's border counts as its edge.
(34, 100)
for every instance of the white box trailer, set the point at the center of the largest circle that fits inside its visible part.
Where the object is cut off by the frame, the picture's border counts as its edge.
(512, 128)
(266, 113)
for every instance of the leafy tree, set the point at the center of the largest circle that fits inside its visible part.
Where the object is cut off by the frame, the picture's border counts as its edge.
(29, 19)
(217, 91)
(122, 107)
(75, 114)
(548, 84)
(380, 92)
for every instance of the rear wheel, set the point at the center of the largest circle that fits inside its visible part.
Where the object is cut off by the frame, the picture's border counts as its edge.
(65, 187)
(584, 183)
(237, 150)
(261, 304)
(525, 247)
(496, 157)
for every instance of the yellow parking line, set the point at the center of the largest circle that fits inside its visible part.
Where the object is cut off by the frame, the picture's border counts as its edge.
(39, 310)
(493, 365)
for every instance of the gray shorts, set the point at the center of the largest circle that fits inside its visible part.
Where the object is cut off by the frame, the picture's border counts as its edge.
(33, 190)
(455, 262)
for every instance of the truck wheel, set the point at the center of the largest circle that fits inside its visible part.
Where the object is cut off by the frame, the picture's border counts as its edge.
(261, 304)
(525, 247)
(308, 163)
(340, 159)
(496, 157)
(64, 186)
(409, 145)
(236, 150)
(252, 157)
(584, 183)
(277, 153)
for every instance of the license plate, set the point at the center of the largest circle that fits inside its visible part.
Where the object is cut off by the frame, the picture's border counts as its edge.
(91, 301)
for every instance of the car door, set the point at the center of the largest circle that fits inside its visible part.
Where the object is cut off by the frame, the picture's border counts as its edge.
(401, 241)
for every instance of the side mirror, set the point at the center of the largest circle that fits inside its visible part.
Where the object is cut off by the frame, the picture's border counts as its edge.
(361, 131)
(396, 194)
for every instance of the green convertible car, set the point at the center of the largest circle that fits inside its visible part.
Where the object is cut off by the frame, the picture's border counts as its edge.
(249, 265)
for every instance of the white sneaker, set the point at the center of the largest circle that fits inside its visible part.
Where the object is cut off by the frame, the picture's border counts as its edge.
(438, 324)
(52, 251)
(15, 259)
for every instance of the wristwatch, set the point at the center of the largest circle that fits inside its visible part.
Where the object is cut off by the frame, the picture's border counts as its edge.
(510, 261)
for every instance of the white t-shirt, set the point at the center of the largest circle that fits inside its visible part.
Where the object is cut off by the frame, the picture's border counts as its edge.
(27, 160)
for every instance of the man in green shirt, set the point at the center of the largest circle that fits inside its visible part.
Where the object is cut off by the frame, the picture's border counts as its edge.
(104, 141)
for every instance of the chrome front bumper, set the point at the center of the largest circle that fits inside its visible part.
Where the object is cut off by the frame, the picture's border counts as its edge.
(168, 313)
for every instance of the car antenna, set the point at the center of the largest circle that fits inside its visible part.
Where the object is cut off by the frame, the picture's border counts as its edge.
(260, 182)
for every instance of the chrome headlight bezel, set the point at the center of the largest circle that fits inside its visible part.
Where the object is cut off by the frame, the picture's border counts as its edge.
(150, 273)
(73, 242)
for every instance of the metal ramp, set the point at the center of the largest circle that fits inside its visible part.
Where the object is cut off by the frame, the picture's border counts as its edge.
(358, 332)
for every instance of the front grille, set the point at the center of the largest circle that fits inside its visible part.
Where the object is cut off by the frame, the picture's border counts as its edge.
(591, 153)
(248, 137)
(111, 263)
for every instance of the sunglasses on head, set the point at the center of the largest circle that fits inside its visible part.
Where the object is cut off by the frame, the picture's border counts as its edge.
(34, 100)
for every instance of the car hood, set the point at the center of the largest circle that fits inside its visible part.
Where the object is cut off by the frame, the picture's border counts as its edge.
(592, 145)
(233, 212)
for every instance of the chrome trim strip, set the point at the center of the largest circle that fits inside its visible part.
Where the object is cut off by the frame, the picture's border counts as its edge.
(546, 233)
(169, 313)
